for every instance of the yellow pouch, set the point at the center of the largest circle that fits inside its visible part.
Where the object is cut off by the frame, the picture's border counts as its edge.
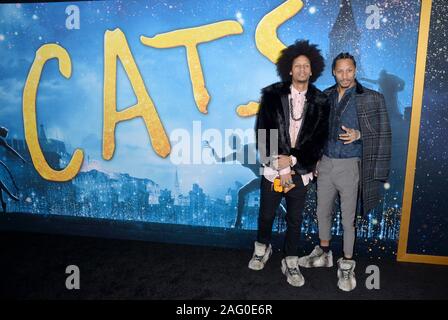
(278, 185)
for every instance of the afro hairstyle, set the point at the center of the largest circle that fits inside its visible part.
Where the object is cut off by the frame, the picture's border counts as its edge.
(300, 48)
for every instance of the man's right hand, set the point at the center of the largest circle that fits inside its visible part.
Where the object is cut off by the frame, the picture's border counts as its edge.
(286, 181)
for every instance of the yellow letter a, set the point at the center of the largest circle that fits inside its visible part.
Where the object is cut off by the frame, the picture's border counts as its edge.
(116, 46)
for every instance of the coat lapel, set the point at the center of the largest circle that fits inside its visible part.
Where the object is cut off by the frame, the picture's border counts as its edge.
(285, 105)
(305, 112)
(360, 104)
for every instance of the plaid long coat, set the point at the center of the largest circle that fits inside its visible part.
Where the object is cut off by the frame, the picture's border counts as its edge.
(376, 138)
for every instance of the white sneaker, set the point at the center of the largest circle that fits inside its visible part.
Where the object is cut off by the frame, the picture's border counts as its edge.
(346, 274)
(290, 268)
(261, 255)
(317, 258)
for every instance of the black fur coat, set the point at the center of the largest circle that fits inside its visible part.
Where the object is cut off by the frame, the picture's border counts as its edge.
(274, 114)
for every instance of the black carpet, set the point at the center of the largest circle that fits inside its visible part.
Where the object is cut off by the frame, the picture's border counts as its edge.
(33, 267)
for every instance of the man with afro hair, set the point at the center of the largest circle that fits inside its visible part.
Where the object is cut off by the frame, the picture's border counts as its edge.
(291, 131)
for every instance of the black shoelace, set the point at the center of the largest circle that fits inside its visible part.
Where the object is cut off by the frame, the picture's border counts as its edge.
(293, 271)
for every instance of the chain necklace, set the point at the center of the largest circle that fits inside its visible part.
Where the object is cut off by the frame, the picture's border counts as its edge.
(292, 111)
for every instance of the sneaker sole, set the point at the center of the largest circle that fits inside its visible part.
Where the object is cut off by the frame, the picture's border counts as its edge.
(345, 289)
(255, 269)
(311, 266)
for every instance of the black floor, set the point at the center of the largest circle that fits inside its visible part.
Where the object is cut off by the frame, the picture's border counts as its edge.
(33, 267)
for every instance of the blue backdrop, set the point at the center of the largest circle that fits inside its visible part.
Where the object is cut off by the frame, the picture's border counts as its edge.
(138, 185)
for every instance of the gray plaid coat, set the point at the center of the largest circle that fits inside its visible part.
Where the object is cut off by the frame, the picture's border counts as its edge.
(376, 138)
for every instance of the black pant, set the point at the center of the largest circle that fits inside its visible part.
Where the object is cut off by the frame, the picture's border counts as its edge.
(269, 202)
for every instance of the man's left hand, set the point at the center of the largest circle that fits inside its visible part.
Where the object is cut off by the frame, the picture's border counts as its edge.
(287, 182)
(281, 162)
(350, 135)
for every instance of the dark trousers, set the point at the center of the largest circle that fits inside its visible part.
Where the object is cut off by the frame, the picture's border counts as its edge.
(269, 202)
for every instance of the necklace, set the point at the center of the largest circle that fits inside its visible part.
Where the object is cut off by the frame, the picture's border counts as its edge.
(292, 111)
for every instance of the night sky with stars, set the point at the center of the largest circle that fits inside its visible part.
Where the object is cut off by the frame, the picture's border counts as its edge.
(428, 232)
